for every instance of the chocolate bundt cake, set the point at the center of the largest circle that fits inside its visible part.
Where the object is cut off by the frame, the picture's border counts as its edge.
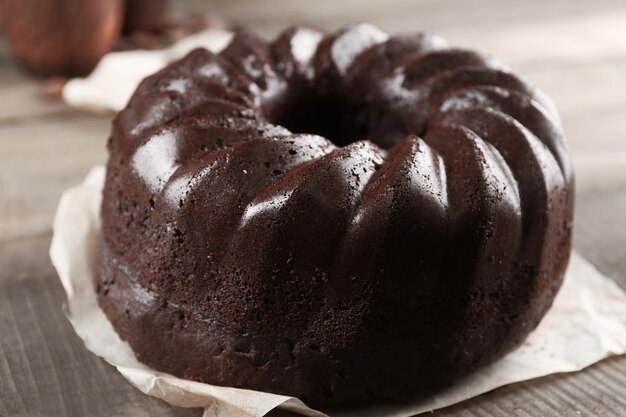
(344, 217)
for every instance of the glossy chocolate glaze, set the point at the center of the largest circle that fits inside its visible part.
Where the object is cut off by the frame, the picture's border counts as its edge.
(344, 217)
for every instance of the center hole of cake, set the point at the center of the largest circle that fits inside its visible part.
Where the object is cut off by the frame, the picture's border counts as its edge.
(331, 116)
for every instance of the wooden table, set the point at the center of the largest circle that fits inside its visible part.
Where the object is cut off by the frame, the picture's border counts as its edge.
(575, 50)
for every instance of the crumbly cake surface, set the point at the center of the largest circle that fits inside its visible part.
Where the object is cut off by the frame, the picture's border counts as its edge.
(344, 217)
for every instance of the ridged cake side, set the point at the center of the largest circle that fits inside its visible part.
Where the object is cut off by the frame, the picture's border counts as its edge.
(238, 253)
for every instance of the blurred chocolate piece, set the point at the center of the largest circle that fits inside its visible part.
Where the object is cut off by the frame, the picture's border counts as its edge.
(146, 15)
(61, 37)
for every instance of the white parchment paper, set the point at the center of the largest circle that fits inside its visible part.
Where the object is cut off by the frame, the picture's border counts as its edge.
(111, 84)
(586, 324)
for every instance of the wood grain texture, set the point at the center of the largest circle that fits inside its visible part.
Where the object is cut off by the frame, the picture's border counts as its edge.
(574, 49)
(40, 158)
(44, 368)
(46, 371)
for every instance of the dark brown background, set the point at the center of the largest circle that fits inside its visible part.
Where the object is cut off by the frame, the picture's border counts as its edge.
(574, 49)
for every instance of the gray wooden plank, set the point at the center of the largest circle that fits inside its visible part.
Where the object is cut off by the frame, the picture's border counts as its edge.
(40, 158)
(45, 369)
(21, 94)
(44, 148)
(600, 231)
(599, 391)
(433, 15)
